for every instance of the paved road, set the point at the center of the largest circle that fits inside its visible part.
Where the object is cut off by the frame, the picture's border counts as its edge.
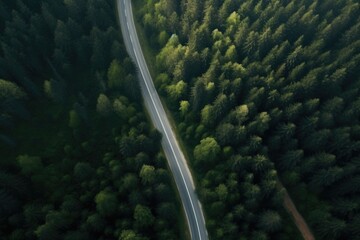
(176, 159)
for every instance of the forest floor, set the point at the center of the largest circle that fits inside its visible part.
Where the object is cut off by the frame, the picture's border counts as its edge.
(297, 218)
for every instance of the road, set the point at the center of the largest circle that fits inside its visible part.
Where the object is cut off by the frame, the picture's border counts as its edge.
(174, 155)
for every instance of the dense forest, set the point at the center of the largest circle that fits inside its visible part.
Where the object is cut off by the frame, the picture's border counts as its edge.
(264, 92)
(79, 157)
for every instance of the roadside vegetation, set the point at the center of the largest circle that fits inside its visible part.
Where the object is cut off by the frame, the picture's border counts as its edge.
(79, 158)
(263, 91)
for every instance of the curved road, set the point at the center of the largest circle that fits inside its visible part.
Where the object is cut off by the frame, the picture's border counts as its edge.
(176, 159)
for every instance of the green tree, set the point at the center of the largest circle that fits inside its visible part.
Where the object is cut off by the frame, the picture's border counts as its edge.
(83, 171)
(115, 75)
(208, 115)
(176, 91)
(30, 165)
(184, 107)
(326, 177)
(143, 217)
(222, 192)
(9, 204)
(96, 222)
(129, 235)
(120, 109)
(47, 231)
(291, 159)
(10, 91)
(207, 151)
(74, 119)
(106, 203)
(148, 174)
(225, 134)
(270, 221)
(333, 228)
(167, 211)
(103, 106)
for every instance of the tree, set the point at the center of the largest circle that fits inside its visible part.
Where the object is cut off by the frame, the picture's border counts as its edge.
(106, 203)
(115, 75)
(9, 204)
(225, 134)
(83, 171)
(233, 19)
(270, 221)
(208, 115)
(129, 182)
(47, 231)
(207, 151)
(222, 192)
(163, 38)
(167, 211)
(293, 111)
(260, 124)
(129, 235)
(326, 177)
(103, 106)
(30, 165)
(10, 91)
(32, 214)
(75, 235)
(291, 159)
(96, 222)
(62, 37)
(317, 140)
(184, 107)
(143, 217)
(148, 174)
(261, 163)
(231, 54)
(332, 228)
(74, 119)
(176, 91)
(241, 113)
(120, 109)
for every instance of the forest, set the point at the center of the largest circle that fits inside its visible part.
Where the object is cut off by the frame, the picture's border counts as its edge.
(263, 93)
(80, 159)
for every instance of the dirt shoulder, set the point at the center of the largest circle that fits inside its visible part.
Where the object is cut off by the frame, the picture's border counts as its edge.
(298, 219)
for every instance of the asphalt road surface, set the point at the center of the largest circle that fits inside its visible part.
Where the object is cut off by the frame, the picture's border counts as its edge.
(176, 159)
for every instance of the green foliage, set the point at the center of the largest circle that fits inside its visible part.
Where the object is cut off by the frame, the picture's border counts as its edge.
(29, 165)
(47, 88)
(115, 75)
(147, 174)
(129, 235)
(184, 107)
(207, 151)
(10, 91)
(176, 91)
(275, 82)
(106, 203)
(74, 150)
(143, 216)
(74, 119)
(96, 222)
(83, 171)
(270, 221)
(103, 106)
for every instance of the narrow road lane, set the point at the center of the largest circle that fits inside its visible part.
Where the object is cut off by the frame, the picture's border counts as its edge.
(176, 159)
